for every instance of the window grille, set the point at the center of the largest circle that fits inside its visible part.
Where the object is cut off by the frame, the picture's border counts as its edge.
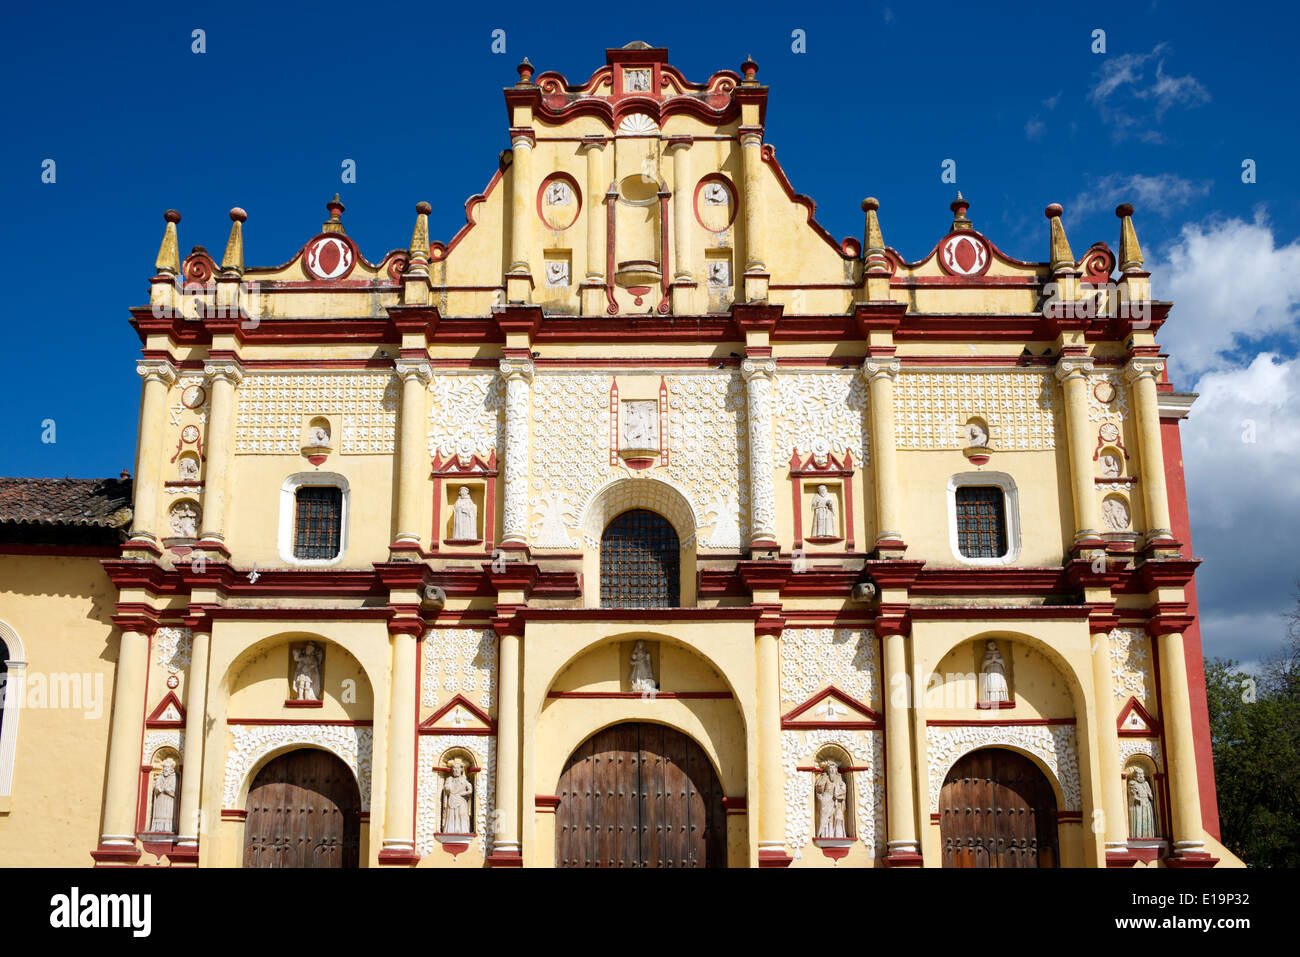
(318, 522)
(981, 521)
(639, 562)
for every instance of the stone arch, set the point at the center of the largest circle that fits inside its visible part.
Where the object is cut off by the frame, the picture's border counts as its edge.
(1050, 748)
(655, 494)
(258, 745)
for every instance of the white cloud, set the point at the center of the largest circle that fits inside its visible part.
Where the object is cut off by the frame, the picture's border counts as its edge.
(1034, 129)
(1160, 194)
(1230, 283)
(1122, 85)
(1242, 497)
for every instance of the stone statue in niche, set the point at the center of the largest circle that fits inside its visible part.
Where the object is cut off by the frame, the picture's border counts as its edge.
(464, 517)
(456, 794)
(639, 425)
(185, 519)
(832, 792)
(1114, 512)
(558, 193)
(719, 274)
(306, 672)
(823, 506)
(977, 437)
(163, 818)
(557, 273)
(641, 675)
(993, 676)
(636, 81)
(1110, 465)
(1141, 806)
(189, 468)
(318, 436)
(715, 194)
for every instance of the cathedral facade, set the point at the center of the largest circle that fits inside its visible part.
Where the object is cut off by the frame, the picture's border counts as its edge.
(640, 523)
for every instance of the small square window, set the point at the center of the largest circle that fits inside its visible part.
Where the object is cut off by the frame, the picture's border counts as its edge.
(318, 521)
(981, 521)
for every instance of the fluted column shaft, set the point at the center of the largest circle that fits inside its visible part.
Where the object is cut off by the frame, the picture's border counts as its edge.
(518, 373)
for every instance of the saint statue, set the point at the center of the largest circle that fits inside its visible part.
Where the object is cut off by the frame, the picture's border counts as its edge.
(823, 506)
(993, 675)
(641, 675)
(455, 800)
(189, 468)
(185, 520)
(977, 437)
(163, 820)
(638, 426)
(715, 194)
(1115, 514)
(464, 517)
(557, 273)
(1141, 812)
(719, 274)
(319, 436)
(306, 672)
(1110, 466)
(832, 791)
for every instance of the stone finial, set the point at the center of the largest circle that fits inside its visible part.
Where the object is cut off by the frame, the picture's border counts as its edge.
(418, 254)
(959, 207)
(525, 73)
(1062, 259)
(749, 70)
(1130, 253)
(169, 253)
(335, 223)
(233, 260)
(877, 263)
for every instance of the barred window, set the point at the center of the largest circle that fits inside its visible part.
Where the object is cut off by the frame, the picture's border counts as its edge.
(318, 521)
(981, 521)
(639, 562)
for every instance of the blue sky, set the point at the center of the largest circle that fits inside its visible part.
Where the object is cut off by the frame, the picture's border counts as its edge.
(884, 93)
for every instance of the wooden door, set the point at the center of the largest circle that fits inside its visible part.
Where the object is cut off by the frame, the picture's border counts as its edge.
(640, 795)
(304, 810)
(997, 809)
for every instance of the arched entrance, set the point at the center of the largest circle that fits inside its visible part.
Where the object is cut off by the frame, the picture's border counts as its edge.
(304, 810)
(640, 795)
(997, 809)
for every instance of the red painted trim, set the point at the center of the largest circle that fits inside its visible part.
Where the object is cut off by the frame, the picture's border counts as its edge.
(115, 854)
(1023, 722)
(303, 703)
(334, 722)
(831, 691)
(234, 814)
(637, 695)
(1134, 705)
(430, 724)
(152, 720)
(546, 803)
(999, 612)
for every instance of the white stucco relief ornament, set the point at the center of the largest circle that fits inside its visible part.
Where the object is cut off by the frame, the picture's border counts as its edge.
(270, 410)
(252, 742)
(865, 748)
(465, 415)
(930, 408)
(1115, 513)
(173, 646)
(557, 273)
(636, 81)
(559, 194)
(719, 274)
(640, 426)
(1054, 745)
(823, 413)
(715, 194)
(184, 520)
(430, 797)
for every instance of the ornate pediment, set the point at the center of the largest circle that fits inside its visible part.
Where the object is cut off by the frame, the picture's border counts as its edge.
(1135, 721)
(831, 708)
(459, 716)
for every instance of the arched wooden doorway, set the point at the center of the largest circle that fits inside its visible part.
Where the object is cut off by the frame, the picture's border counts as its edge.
(997, 809)
(304, 810)
(640, 795)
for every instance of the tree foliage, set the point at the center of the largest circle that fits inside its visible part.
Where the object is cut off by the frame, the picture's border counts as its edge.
(1255, 733)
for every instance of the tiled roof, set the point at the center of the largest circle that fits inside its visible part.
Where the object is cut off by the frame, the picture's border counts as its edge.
(103, 503)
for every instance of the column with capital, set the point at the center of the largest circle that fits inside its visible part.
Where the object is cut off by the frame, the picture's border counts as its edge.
(1141, 373)
(880, 373)
(413, 460)
(399, 808)
(506, 847)
(519, 277)
(196, 709)
(158, 375)
(518, 373)
(896, 693)
(683, 280)
(1072, 372)
(771, 781)
(758, 374)
(1176, 712)
(225, 374)
(1113, 806)
(121, 789)
(751, 151)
